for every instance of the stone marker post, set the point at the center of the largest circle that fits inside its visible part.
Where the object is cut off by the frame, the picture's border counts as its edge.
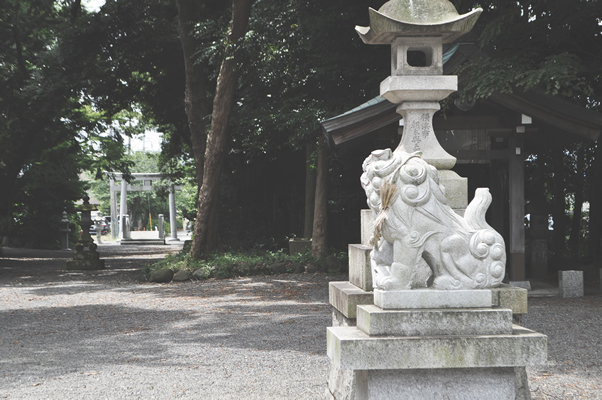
(161, 226)
(173, 222)
(98, 229)
(65, 232)
(435, 329)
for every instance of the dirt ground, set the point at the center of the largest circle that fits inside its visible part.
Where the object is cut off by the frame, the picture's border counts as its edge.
(103, 334)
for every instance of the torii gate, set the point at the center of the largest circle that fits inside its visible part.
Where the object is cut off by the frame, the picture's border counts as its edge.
(147, 185)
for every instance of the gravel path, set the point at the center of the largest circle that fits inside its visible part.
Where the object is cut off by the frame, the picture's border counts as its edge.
(100, 334)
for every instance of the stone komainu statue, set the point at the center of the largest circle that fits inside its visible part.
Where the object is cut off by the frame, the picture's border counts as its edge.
(414, 226)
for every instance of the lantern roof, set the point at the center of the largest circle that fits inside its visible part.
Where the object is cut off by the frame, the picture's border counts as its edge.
(415, 18)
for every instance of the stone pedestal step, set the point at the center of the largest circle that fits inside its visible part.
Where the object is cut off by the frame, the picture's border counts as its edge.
(431, 298)
(345, 297)
(429, 384)
(350, 348)
(437, 322)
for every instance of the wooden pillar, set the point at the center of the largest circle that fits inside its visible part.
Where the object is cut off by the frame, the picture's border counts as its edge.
(516, 196)
(310, 192)
(319, 244)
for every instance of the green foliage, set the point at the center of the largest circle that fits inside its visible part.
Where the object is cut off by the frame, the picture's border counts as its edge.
(552, 46)
(244, 263)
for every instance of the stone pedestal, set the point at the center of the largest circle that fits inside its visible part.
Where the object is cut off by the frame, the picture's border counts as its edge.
(492, 313)
(85, 260)
(459, 353)
(570, 283)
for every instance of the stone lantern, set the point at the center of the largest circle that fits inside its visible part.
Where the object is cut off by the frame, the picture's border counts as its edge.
(416, 31)
(82, 258)
(450, 335)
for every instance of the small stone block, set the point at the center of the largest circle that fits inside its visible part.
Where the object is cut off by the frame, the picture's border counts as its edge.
(431, 298)
(350, 348)
(436, 322)
(299, 246)
(360, 271)
(570, 283)
(514, 298)
(521, 284)
(367, 225)
(345, 297)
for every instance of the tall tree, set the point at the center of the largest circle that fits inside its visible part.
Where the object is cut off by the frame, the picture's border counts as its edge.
(46, 127)
(217, 136)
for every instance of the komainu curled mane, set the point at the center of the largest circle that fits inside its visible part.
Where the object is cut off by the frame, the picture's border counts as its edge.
(414, 225)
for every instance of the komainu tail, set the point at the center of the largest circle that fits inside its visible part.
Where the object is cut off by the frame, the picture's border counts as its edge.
(476, 210)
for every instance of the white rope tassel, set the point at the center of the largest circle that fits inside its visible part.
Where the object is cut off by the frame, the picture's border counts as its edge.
(388, 190)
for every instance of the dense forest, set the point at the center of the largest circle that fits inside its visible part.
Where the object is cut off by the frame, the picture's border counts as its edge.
(238, 89)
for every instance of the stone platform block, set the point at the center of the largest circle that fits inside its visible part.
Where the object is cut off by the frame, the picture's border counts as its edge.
(360, 271)
(570, 283)
(350, 348)
(514, 298)
(438, 384)
(299, 245)
(431, 298)
(437, 322)
(345, 297)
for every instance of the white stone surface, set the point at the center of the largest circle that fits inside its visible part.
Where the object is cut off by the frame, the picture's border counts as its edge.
(345, 297)
(414, 223)
(419, 136)
(431, 298)
(438, 384)
(350, 348)
(398, 89)
(456, 190)
(570, 283)
(434, 322)
(431, 47)
(514, 298)
(360, 271)
(367, 225)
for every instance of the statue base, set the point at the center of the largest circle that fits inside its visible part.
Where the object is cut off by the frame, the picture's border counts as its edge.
(467, 353)
(459, 344)
(85, 260)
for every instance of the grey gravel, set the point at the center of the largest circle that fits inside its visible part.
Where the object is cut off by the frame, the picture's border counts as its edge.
(100, 334)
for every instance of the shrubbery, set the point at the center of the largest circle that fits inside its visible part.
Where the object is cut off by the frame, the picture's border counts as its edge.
(246, 263)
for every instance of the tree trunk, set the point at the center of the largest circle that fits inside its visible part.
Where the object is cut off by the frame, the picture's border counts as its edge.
(319, 243)
(577, 215)
(217, 136)
(196, 102)
(310, 192)
(595, 204)
(559, 203)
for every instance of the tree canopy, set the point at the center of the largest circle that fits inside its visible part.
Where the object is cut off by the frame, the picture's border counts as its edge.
(76, 82)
